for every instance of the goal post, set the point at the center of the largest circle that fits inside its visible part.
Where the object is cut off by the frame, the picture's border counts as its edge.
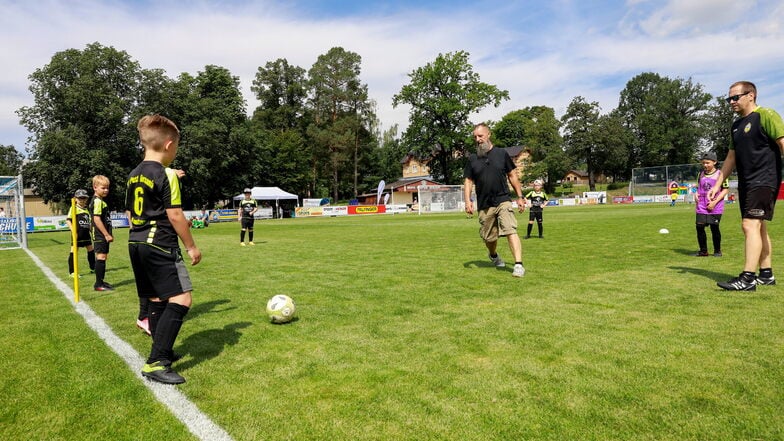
(440, 198)
(13, 231)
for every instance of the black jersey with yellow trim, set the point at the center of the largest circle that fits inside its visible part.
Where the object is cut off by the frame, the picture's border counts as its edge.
(99, 208)
(151, 190)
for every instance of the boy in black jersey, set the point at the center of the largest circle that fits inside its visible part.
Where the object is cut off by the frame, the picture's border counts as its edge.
(153, 204)
(102, 230)
(83, 234)
(248, 208)
(537, 199)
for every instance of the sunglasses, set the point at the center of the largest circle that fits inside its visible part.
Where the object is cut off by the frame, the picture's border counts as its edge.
(735, 98)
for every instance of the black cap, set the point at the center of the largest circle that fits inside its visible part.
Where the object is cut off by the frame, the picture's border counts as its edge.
(708, 155)
(81, 194)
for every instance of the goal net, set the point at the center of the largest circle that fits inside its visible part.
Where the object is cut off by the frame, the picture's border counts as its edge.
(12, 217)
(440, 198)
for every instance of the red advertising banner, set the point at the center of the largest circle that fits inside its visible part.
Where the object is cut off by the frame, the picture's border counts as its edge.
(367, 209)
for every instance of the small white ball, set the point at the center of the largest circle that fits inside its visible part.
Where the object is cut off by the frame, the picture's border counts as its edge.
(664, 231)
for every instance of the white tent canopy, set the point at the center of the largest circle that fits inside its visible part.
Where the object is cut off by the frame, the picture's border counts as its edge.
(268, 194)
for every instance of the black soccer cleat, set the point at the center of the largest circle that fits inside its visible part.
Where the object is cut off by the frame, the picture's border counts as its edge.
(737, 284)
(765, 280)
(161, 373)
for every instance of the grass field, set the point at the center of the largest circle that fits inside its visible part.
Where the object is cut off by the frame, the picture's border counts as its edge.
(406, 332)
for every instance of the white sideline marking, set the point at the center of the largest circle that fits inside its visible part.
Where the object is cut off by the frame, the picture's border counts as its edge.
(197, 422)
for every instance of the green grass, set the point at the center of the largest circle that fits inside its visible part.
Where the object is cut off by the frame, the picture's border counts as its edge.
(406, 331)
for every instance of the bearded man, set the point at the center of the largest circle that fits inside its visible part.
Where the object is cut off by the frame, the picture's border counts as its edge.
(488, 170)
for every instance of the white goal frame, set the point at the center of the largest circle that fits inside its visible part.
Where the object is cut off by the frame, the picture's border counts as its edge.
(440, 199)
(13, 228)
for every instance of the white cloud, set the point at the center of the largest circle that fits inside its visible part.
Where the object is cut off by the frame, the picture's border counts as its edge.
(544, 54)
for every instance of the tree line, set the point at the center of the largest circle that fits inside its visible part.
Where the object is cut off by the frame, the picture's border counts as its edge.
(315, 132)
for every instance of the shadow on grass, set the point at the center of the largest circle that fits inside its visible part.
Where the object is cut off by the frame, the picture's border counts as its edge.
(712, 275)
(208, 307)
(208, 344)
(487, 264)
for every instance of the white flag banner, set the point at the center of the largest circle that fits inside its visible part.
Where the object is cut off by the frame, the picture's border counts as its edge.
(380, 190)
(386, 198)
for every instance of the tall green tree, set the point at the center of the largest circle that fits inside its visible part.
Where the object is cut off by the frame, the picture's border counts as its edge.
(341, 108)
(717, 122)
(580, 124)
(10, 161)
(279, 124)
(281, 89)
(443, 95)
(613, 141)
(82, 102)
(537, 129)
(217, 143)
(664, 115)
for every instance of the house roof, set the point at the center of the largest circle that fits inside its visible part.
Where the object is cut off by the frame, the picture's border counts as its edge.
(582, 174)
(516, 150)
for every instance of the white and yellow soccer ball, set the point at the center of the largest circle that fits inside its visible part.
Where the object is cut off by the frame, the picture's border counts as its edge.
(281, 309)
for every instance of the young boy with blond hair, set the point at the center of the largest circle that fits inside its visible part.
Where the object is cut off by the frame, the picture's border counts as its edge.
(154, 207)
(102, 230)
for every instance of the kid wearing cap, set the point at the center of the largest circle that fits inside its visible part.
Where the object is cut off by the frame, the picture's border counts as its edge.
(709, 210)
(248, 208)
(83, 226)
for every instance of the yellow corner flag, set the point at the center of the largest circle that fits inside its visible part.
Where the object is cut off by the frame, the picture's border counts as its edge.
(75, 250)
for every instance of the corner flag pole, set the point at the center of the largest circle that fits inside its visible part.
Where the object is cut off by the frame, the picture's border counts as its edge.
(75, 250)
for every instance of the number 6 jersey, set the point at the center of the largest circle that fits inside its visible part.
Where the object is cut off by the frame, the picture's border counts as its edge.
(152, 188)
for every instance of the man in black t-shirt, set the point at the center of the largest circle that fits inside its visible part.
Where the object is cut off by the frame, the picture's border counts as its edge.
(489, 169)
(756, 145)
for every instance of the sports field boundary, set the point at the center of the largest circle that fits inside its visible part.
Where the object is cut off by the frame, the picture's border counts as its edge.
(178, 404)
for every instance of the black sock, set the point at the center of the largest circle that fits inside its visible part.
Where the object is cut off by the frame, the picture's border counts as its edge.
(530, 227)
(541, 229)
(100, 271)
(154, 312)
(766, 272)
(242, 236)
(519, 263)
(70, 263)
(494, 255)
(250, 236)
(702, 238)
(747, 276)
(144, 308)
(166, 333)
(91, 259)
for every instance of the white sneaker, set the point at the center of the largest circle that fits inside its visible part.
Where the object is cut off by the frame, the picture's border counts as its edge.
(497, 261)
(518, 271)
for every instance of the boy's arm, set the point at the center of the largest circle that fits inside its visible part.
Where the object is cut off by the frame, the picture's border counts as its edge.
(182, 227)
(102, 228)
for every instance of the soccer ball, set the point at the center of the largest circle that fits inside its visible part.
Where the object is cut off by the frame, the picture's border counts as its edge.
(281, 309)
(664, 231)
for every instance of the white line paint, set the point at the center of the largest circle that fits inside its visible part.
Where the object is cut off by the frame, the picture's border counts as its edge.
(178, 404)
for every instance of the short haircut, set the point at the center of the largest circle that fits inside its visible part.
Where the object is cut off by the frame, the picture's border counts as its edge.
(476, 126)
(156, 130)
(747, 86)
(100, 180)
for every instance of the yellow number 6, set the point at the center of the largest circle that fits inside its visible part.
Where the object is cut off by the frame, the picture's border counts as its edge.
(138, 200)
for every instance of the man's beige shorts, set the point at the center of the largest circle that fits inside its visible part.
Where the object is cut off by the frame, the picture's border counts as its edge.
(497, 221)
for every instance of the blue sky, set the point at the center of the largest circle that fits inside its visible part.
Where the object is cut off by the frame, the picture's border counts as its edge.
(543, 53)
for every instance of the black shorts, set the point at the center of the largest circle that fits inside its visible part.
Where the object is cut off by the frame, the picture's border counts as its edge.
(158, 272)
(101, 246)
(247, 223)
(535, 215)
(757, 202)
(708, 219)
